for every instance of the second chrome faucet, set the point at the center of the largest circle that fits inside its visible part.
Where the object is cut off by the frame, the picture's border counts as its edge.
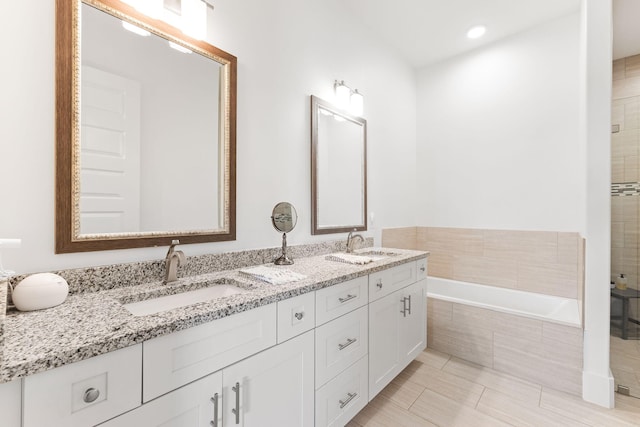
(350, 240)
(172, 261)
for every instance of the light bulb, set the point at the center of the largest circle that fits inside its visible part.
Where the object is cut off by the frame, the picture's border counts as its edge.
(136, 30)
(343, 94)
(476, 32)
(357, 103)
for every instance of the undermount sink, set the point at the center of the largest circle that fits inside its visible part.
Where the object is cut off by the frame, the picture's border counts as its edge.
(159, 301)
(360, 258)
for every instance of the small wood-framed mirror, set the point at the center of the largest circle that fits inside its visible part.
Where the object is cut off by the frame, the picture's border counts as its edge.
(145, 131)
(338, 169)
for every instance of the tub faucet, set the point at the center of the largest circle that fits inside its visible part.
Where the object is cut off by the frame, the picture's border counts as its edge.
(350, 238)
(172, 261)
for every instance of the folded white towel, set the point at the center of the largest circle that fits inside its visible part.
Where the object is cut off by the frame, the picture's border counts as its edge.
(275, 276)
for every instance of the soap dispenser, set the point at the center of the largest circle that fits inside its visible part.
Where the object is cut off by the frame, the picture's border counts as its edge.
(621, 282)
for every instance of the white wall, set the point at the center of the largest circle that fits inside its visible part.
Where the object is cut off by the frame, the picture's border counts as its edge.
(287, 50)
(498, 134)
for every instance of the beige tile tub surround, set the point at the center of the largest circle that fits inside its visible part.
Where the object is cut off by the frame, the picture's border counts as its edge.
(545, 262)
(535, 350)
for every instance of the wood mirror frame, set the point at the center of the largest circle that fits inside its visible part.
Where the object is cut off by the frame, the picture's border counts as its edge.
(68, 237)
(342, 225)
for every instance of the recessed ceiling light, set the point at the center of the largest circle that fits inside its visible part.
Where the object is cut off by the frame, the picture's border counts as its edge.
(477, 31)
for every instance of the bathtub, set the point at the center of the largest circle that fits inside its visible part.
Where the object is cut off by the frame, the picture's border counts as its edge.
(548, 308)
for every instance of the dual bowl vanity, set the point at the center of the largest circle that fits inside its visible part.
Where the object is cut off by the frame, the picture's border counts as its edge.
(222, 348)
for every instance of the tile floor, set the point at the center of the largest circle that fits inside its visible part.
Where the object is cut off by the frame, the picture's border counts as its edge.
(440, 390)
(625, 363)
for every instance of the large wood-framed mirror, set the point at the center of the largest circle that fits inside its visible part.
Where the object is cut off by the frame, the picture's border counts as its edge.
(338, 169)
(145, 131)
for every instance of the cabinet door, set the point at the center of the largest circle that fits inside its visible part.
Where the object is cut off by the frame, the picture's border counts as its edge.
(195, 405)
(384, 341)
(84, 393)
(176, 359)
(10, 403)
(413, 325)
(272, 388)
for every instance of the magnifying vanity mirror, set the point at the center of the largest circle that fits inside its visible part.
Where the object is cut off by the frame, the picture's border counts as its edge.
(284, 218)
(338, 169)
(145, 131)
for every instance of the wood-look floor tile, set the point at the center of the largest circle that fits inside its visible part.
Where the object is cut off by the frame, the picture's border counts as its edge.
(503, 400)
(453, 387)
(402, 391)
(577, 409)
(434, 358)
(513, 411)
(519, 389)
(381, 412)
(443, 411)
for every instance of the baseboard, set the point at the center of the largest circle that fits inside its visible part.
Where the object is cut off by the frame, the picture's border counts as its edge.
(598, 389)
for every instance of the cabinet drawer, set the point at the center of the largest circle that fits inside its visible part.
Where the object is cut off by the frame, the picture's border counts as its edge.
(296, 315)
(421, 269)
(173, 360)
(384, 282)
(84, 393)
(343, 397)
(340, 343)
(340, 299)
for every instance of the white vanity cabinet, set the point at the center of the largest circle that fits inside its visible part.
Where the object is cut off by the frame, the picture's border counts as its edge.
(312, 360)
(397, 331)
(271, 388)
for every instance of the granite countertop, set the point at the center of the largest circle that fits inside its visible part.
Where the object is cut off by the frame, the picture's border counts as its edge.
(90, 324)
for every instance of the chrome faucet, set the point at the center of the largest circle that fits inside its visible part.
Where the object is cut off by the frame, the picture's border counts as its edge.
(172, 261)
(350, 238)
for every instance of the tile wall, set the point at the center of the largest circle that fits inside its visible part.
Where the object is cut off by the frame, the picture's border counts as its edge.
(625, 169)
(544, 262)
(543, 352)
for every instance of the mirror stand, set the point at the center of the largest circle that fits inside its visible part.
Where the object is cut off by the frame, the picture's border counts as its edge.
(283, 259)
(284, 218)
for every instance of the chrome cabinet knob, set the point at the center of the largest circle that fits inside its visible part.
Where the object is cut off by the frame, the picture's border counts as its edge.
(299, 316)
(90, 395)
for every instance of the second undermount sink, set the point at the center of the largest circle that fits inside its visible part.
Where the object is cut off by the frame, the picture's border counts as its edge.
(159, 301)
(360, 257)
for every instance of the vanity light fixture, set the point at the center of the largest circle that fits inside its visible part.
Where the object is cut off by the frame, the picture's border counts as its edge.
(348, 99)
(476, 32)
(136, 30)
(190, 16)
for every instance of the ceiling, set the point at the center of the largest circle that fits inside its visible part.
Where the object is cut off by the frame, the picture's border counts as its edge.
(428, 31)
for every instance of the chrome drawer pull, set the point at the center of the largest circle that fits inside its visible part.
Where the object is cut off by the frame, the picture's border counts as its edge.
(214, 399)
(347, 344)
(379, 284)
(299, 316)
(350, 397)
(90, 395)
(404, 310)
(409, 298)
(422, 268)
(236, 410)
(347, 298)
